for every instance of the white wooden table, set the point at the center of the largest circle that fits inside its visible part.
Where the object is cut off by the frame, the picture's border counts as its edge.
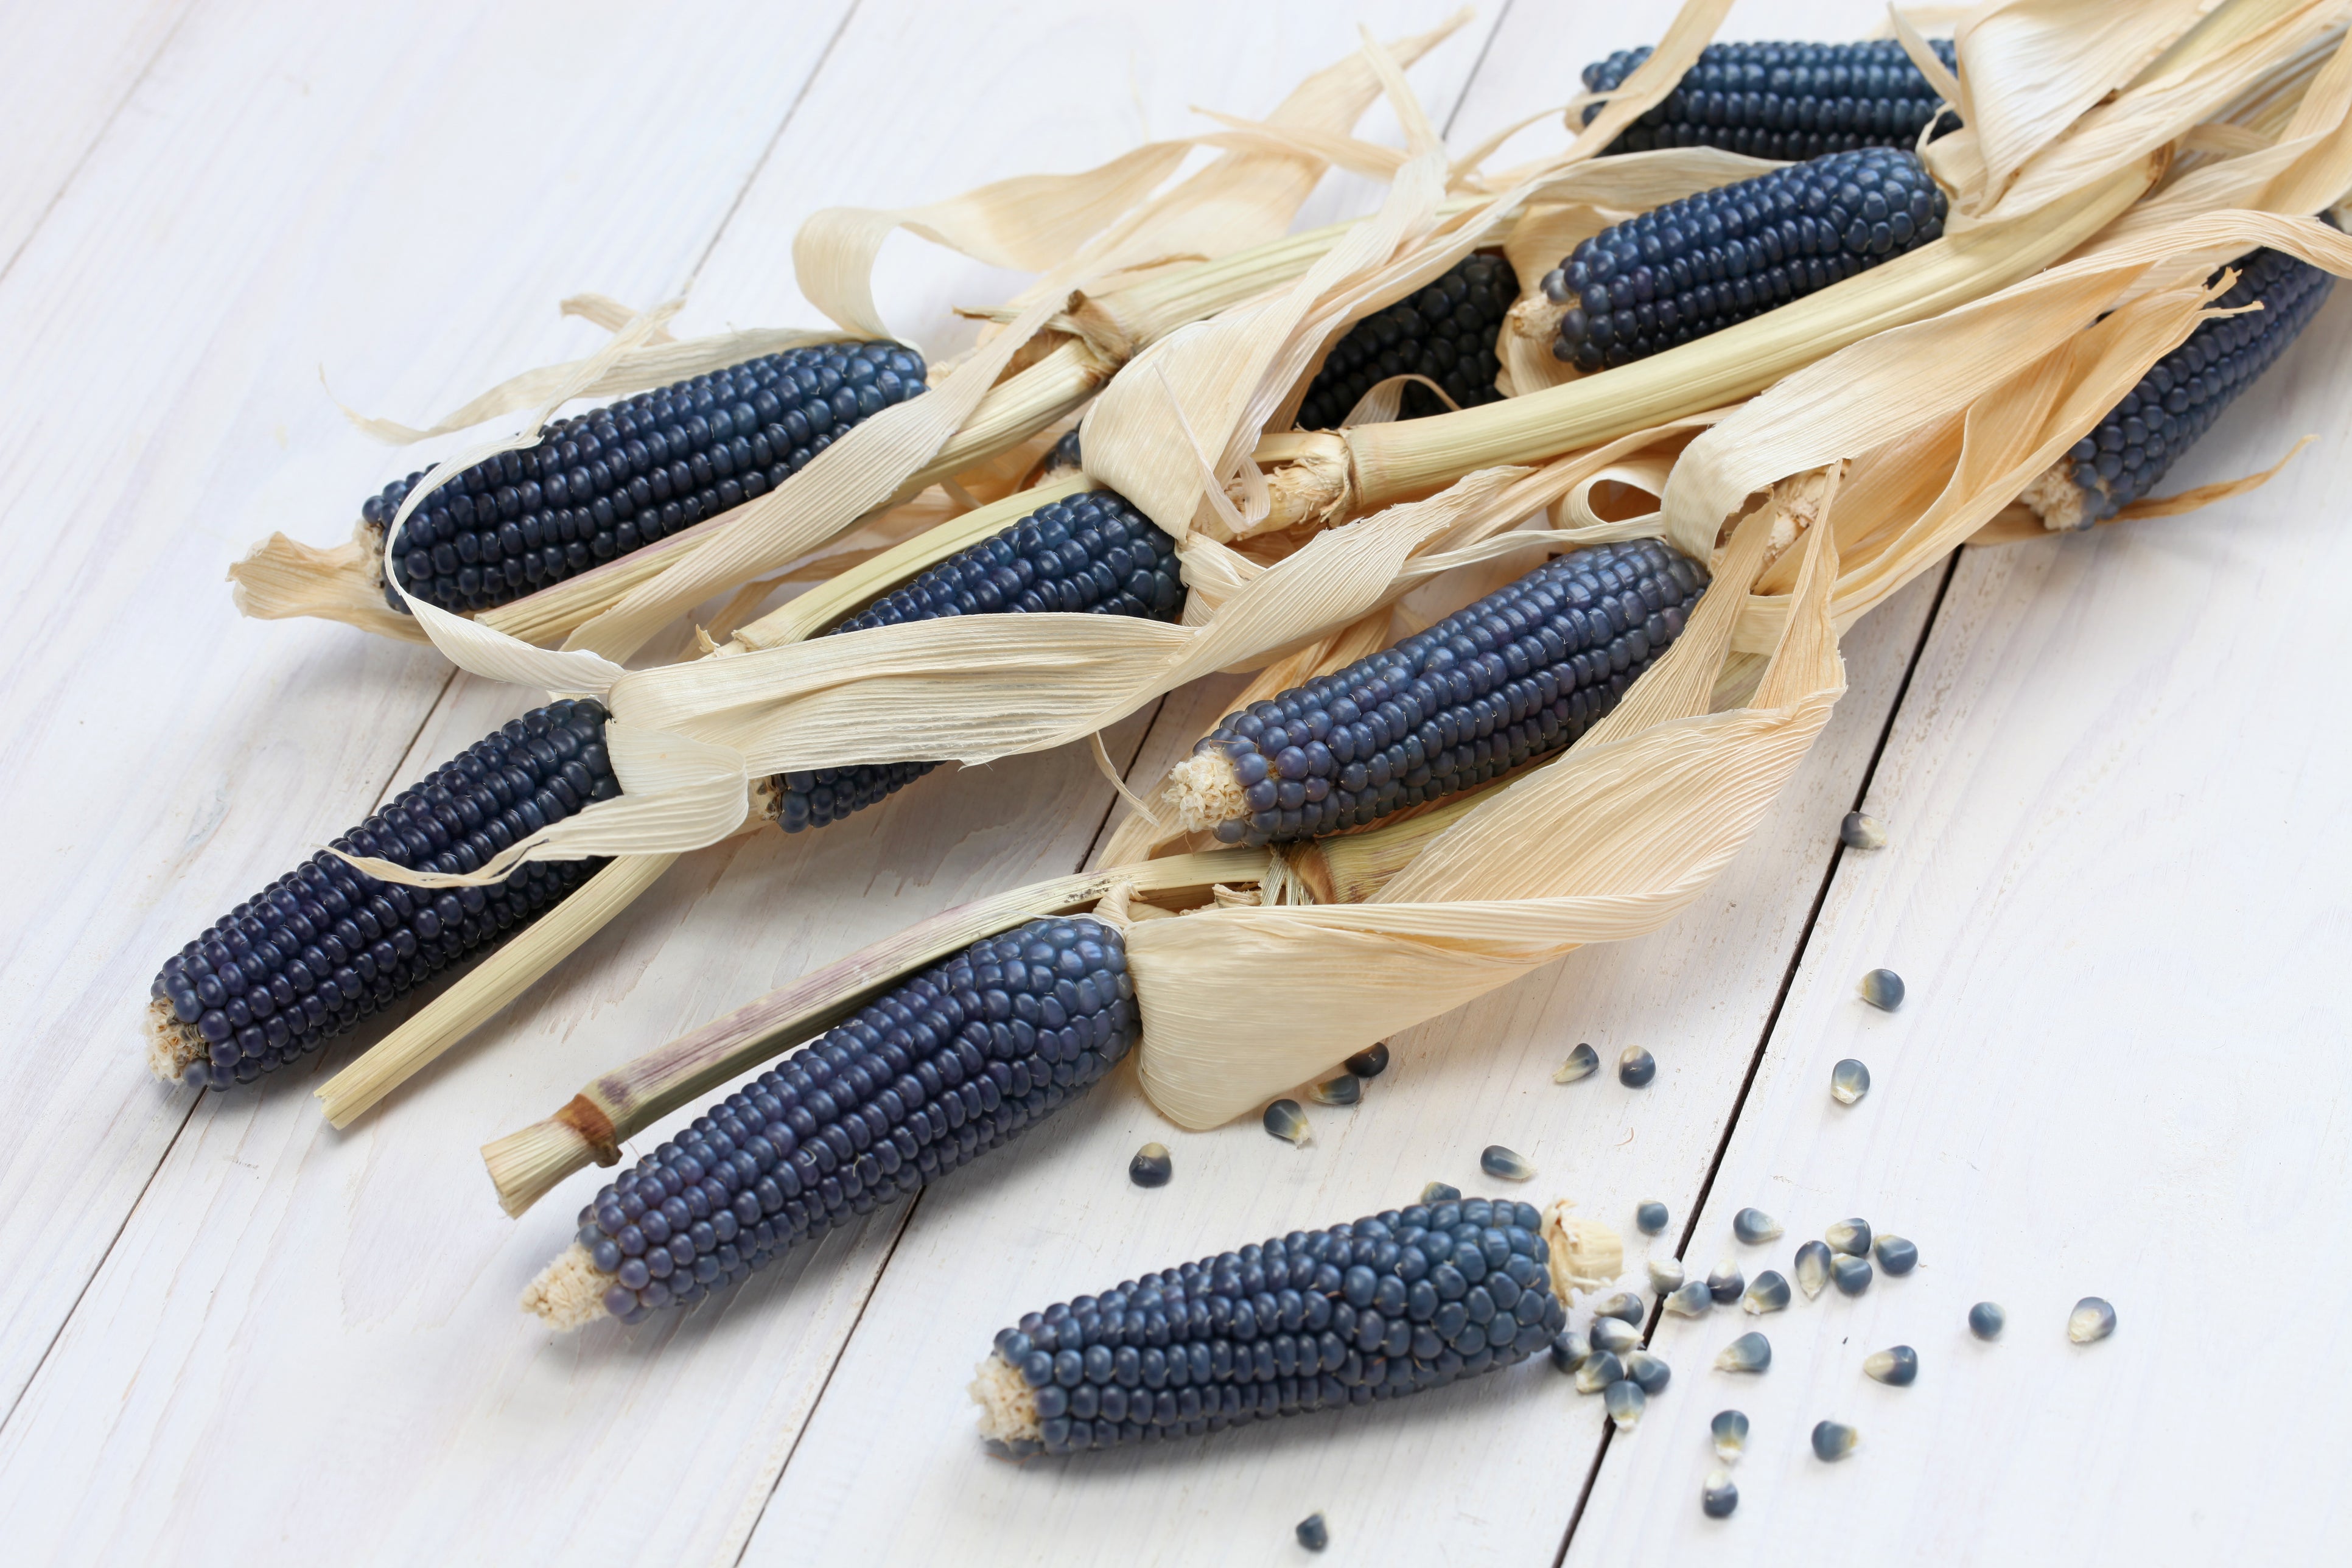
(2114, 769)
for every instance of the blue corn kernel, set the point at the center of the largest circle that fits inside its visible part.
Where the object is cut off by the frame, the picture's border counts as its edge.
(599, 485)
(1749, 1352)
(1717, 1495)
(1649, 1371)
(325, 945)
(1151, 1167)
(1569, 1351)
(1849, 1081)
(1582, 1063)
(1666, 1275)
(918, 1083)
(1625, 1400)
(1896, 1256)
(1599, 1370)
(1065, 454)
(1614, 1335)
(1860, 831)
(1650, 1217)
(1849, 1275)
(1446, 330)
(1883, 989)
(1286, 1120)
(2091, 1319)
(1769, 1293)
(1897, 1366)
(1725, 1283)
(1851, 1236)
(1345, 1089)
(1440, 1193)
(1636, 1067)
(1691, 1299)
(1834, 1441)
(1753, 1226)
(1504, 683)
(1313, 1319)
(1370, 1062)
(1088, 553)
(1622, 1305)
(1718, 258)
(1786, 101)
(1986, 1320)
(1505, 1164)
(1729, 1431)
(1313, 1533)
(1814, 1268)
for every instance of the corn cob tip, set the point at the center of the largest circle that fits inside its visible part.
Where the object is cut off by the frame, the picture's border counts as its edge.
(173, 1048)
(1206, 791)
(1008, 1406)
(569, 1293)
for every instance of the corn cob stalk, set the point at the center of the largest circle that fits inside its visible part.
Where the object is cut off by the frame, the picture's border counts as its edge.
(1786, 101)
(1516, 676)
(2180, 396)
(954, 1063)
(1391, 1304)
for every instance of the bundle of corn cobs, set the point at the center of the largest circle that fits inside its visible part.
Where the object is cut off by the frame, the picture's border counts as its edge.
(1537, 501)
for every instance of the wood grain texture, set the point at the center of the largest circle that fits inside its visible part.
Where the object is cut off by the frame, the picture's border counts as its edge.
(1488, 1473)
(2115, 876)
(399, 197)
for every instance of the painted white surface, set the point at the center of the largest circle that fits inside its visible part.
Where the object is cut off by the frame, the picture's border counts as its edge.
(233, 1335)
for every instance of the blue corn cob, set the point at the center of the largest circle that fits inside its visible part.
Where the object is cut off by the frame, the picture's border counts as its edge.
(1387, 1306)
(1064, 455)
(1701, 264)
(325, 946)
(1515, 677)
(958, 1061)
(601, 484)
(2185, 391)
(1091, 552)
(1446, 332)
(1782, 100)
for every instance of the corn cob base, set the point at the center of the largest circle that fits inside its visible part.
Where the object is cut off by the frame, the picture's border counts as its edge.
(1379, 1309)
(1514, 677)
(2182, 394)
(957, 1061)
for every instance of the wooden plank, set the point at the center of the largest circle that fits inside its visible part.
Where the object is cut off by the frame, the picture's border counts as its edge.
(352, 1299)
(400, 198)
(2113, 885)
(68, 71)
(1484, 1473)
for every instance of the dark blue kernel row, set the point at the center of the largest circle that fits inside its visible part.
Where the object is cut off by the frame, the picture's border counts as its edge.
(1384, 1307)
(601, 484)
(1518, 674)
(1696, 266)
(325, 946)
(1790, 102)
(960, 1059)
(2183, 393)
(1445, 331)
(1090, 553)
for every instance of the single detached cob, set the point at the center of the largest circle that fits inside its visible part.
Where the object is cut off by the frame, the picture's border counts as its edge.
(1518, 676)
(1090, 553)
(601, 484)
(1446, 333)
(325, 945)
(1699, 265)
(1782, 100)
(2183, 393)
(958, 1061)
(1387, 1306)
